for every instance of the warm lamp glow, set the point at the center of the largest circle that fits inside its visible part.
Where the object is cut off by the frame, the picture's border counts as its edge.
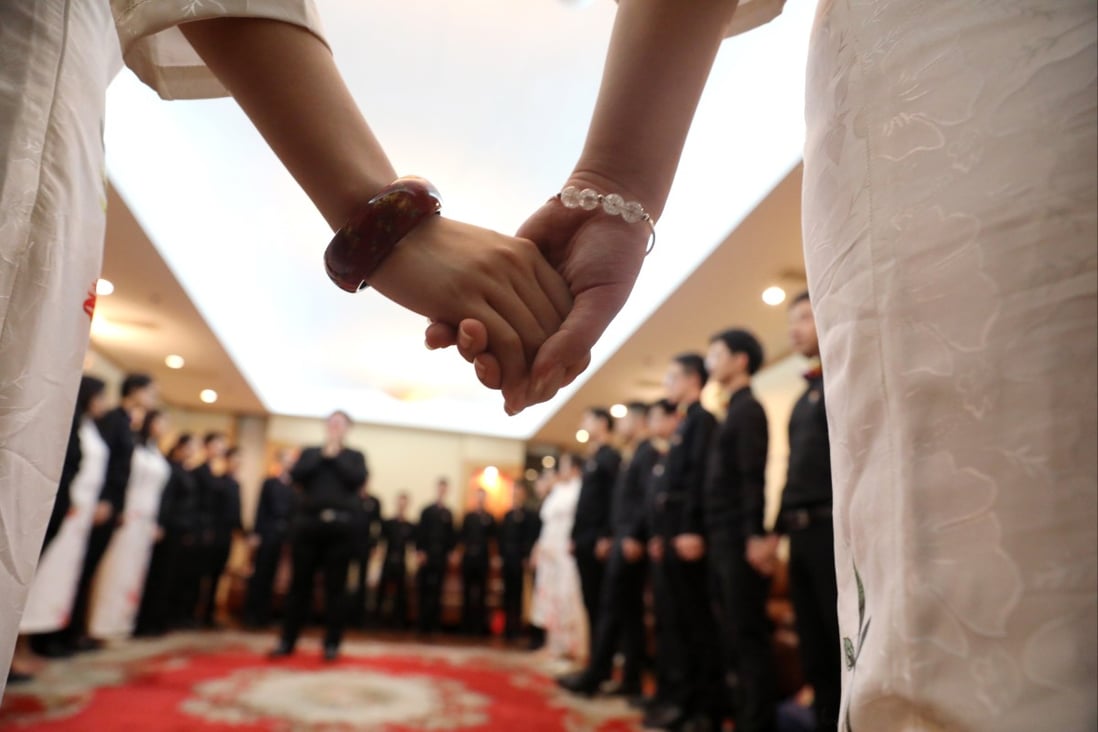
(773, 296)
(174, 361)
(582, 436)
(548, 462)
(208, 396)
(531, 475)
(618, 411)
(104, 287)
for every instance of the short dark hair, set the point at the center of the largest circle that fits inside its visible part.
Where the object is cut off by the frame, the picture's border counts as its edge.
(738, 340)
(211, 436)
(343, 414)
(664, 405)
(603, 414)
(572, 457)
(133, 382)
(693, 365)
(182, 441)
(640, 408)
(234, 450)
(802, 297)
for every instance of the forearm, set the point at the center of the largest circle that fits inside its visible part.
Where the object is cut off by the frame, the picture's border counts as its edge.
(660, 55)
(285, 80)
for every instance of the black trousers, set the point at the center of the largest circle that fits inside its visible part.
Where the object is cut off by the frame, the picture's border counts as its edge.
(325, 546)
(394, 581)
(474, 608)
(621, 620)
(431, 576)
(257, 603)
(98, 541)
(591, 572)
(360, 594)
(688, 663)
(812, 588)
(184, 595)
(215, 558)
(514, 585)
(741, 595)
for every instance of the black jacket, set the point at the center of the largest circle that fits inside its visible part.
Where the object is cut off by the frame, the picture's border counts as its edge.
(478, 530)
(808, 482)
(630, 489)
(367, 524)
(329, 483)
(735, 495)
(435, 535)
(116, 431)
(276, 506)
(399, 534)
(179, 504)
(518, 532)
(678, 481)
(593, 508)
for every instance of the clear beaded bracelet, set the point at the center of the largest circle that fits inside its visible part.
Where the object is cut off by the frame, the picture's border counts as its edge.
(589, 199)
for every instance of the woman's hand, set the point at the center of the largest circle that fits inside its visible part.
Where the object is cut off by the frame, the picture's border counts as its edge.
(452, 272)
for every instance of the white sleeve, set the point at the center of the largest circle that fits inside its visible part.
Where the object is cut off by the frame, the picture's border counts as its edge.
(750, 14)
(160, 55)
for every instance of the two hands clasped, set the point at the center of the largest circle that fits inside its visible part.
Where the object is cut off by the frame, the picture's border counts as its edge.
(524, 310)
(761, 552)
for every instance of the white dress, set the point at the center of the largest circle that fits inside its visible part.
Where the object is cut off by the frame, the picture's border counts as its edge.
(950, 236)
(49, 601)
(56, 59)
(558, 603)
(120, 580)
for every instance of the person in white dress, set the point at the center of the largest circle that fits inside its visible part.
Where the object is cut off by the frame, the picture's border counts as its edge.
(557, 605)
(51, 595)
(120, 581)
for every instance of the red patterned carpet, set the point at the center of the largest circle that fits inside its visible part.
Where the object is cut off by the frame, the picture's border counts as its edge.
(222, 682)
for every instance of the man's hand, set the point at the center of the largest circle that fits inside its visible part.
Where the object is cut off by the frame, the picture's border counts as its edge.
(632, 550)
(690, 547)
(762, 554)
(602, 549)
(331, 449)
(421, 558)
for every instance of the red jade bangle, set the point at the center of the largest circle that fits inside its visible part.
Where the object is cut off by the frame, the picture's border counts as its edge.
(374, 230)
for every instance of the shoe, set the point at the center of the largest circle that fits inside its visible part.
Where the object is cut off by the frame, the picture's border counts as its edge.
(664, 716)
(52, 649)
(87, 645)
(331, 653)
(578, 683)
(18, 677)
(282, 650)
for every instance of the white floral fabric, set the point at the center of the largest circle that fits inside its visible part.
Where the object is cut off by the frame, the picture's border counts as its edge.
(557, 605)
(56, 59)
(951, 240)
(120, 580)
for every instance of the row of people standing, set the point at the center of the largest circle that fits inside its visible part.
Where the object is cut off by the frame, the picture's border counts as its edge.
(136, 542)
(690, 510)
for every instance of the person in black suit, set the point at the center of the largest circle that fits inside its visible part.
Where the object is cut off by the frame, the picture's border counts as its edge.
(321, 535)
(734, 501)
(170, 578)
(269, 533)
(478, 532)
(518, 532)
(139, 395)
(399, 535)
(621, 621)
(219, 499)
(435, 542)
(591, 534)
(692, 689)
(367, 534)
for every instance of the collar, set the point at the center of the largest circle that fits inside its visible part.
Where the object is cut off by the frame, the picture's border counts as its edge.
(814, 372)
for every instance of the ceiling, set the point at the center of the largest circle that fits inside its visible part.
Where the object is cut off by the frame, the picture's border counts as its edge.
(492, 107)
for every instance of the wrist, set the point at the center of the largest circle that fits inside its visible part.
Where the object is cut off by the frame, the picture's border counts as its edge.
(630, 185)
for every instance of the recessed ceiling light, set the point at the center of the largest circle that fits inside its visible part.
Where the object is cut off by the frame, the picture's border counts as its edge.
(618, 411)
(548, 462)
(582, 436)
(174, 361)
(531, 475)
(103, 287)
(773, 296)
(209, 396)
